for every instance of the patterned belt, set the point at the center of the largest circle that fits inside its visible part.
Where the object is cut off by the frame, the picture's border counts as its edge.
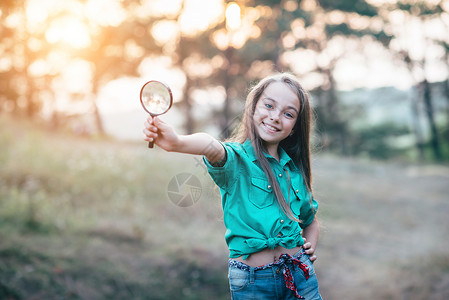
(285, 260)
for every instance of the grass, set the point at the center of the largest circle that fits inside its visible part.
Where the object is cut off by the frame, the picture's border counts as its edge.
(385, 229)
(91, 219)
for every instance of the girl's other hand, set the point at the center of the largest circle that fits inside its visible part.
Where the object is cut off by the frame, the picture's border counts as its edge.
(309, 250)
(160, 133)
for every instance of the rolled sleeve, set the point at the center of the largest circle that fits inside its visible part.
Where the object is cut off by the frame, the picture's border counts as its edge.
(224, 175)
(308, 213)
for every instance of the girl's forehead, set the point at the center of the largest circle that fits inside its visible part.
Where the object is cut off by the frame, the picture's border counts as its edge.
(282, 93)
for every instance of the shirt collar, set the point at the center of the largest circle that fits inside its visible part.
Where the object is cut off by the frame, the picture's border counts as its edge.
(284, 158)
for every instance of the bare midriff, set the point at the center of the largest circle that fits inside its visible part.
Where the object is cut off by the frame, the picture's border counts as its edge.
(267, 256)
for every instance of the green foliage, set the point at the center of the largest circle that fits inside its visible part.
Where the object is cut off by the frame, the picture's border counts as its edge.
(25, 272)
(359, 6)
(87, 219)
(421, 8)
(103, 228)
(378, 141)
(344, 30)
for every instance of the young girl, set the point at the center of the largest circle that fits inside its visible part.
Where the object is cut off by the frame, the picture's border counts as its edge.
(264, 177)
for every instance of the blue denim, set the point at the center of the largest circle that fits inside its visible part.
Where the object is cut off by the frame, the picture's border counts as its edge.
(264, 283)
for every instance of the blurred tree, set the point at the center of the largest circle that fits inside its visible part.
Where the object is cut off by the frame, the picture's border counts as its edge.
(446, 90)
(278, 28)
(255, 48)
(378, 141)
(18, 52)
(273, 26)
(336, 21)
(188, 51)
(117, 51)
(9, 93)
(117, 48)
(238, 53)
(435, 141)
(444, 43)
(234, 48)
(415, 55)
(37, 52)
(222, 54)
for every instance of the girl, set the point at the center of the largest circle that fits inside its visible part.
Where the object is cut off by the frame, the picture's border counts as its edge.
(264, 177)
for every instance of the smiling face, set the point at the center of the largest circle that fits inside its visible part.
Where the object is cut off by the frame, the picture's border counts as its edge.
(275, 115)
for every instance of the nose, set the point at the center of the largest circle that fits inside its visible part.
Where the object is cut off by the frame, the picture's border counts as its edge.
(274, 115)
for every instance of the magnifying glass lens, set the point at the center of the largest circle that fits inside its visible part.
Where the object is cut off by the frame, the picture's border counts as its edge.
(156, 98)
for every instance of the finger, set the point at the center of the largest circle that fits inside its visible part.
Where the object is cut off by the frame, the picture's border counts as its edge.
(307, 245)
(149, 134)
(150, 138)
(150, 121)
(309, 250)
(313, 258)
(160, 125)
(158, 122)
(150, 125)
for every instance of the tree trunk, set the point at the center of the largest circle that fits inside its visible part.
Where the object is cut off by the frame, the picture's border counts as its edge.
(225, 126)
(419, 139)
(340, 132)
(446, 93)
(97, 116)
(189, 123)
(431, 119)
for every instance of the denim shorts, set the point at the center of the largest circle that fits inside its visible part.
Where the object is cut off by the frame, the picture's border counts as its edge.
(270, 281)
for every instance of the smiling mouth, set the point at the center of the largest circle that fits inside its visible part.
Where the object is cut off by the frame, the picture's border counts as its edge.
(270, 128)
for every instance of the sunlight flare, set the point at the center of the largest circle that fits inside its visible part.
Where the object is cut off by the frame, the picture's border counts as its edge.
(233, 16)
(70, 31)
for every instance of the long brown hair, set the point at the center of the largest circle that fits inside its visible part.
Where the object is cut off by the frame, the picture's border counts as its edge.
(296, 145)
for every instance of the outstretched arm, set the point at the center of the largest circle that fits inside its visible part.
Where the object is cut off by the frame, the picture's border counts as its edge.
(164, 136)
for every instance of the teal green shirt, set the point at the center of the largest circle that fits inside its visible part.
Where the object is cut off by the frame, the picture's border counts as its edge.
(253, 219)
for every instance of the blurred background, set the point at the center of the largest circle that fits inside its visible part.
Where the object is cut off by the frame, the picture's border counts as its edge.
(86, 209)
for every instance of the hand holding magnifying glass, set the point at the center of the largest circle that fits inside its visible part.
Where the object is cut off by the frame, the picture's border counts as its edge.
(156, 98)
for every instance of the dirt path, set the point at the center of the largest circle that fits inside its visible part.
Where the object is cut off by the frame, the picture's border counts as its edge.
(385, 229)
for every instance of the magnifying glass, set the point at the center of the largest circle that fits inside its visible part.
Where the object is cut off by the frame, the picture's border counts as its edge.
(156, 98)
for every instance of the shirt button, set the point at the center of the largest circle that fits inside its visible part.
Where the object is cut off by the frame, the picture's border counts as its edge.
(280, 175)
(297, 191)
(282, 221)
(269, 187)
